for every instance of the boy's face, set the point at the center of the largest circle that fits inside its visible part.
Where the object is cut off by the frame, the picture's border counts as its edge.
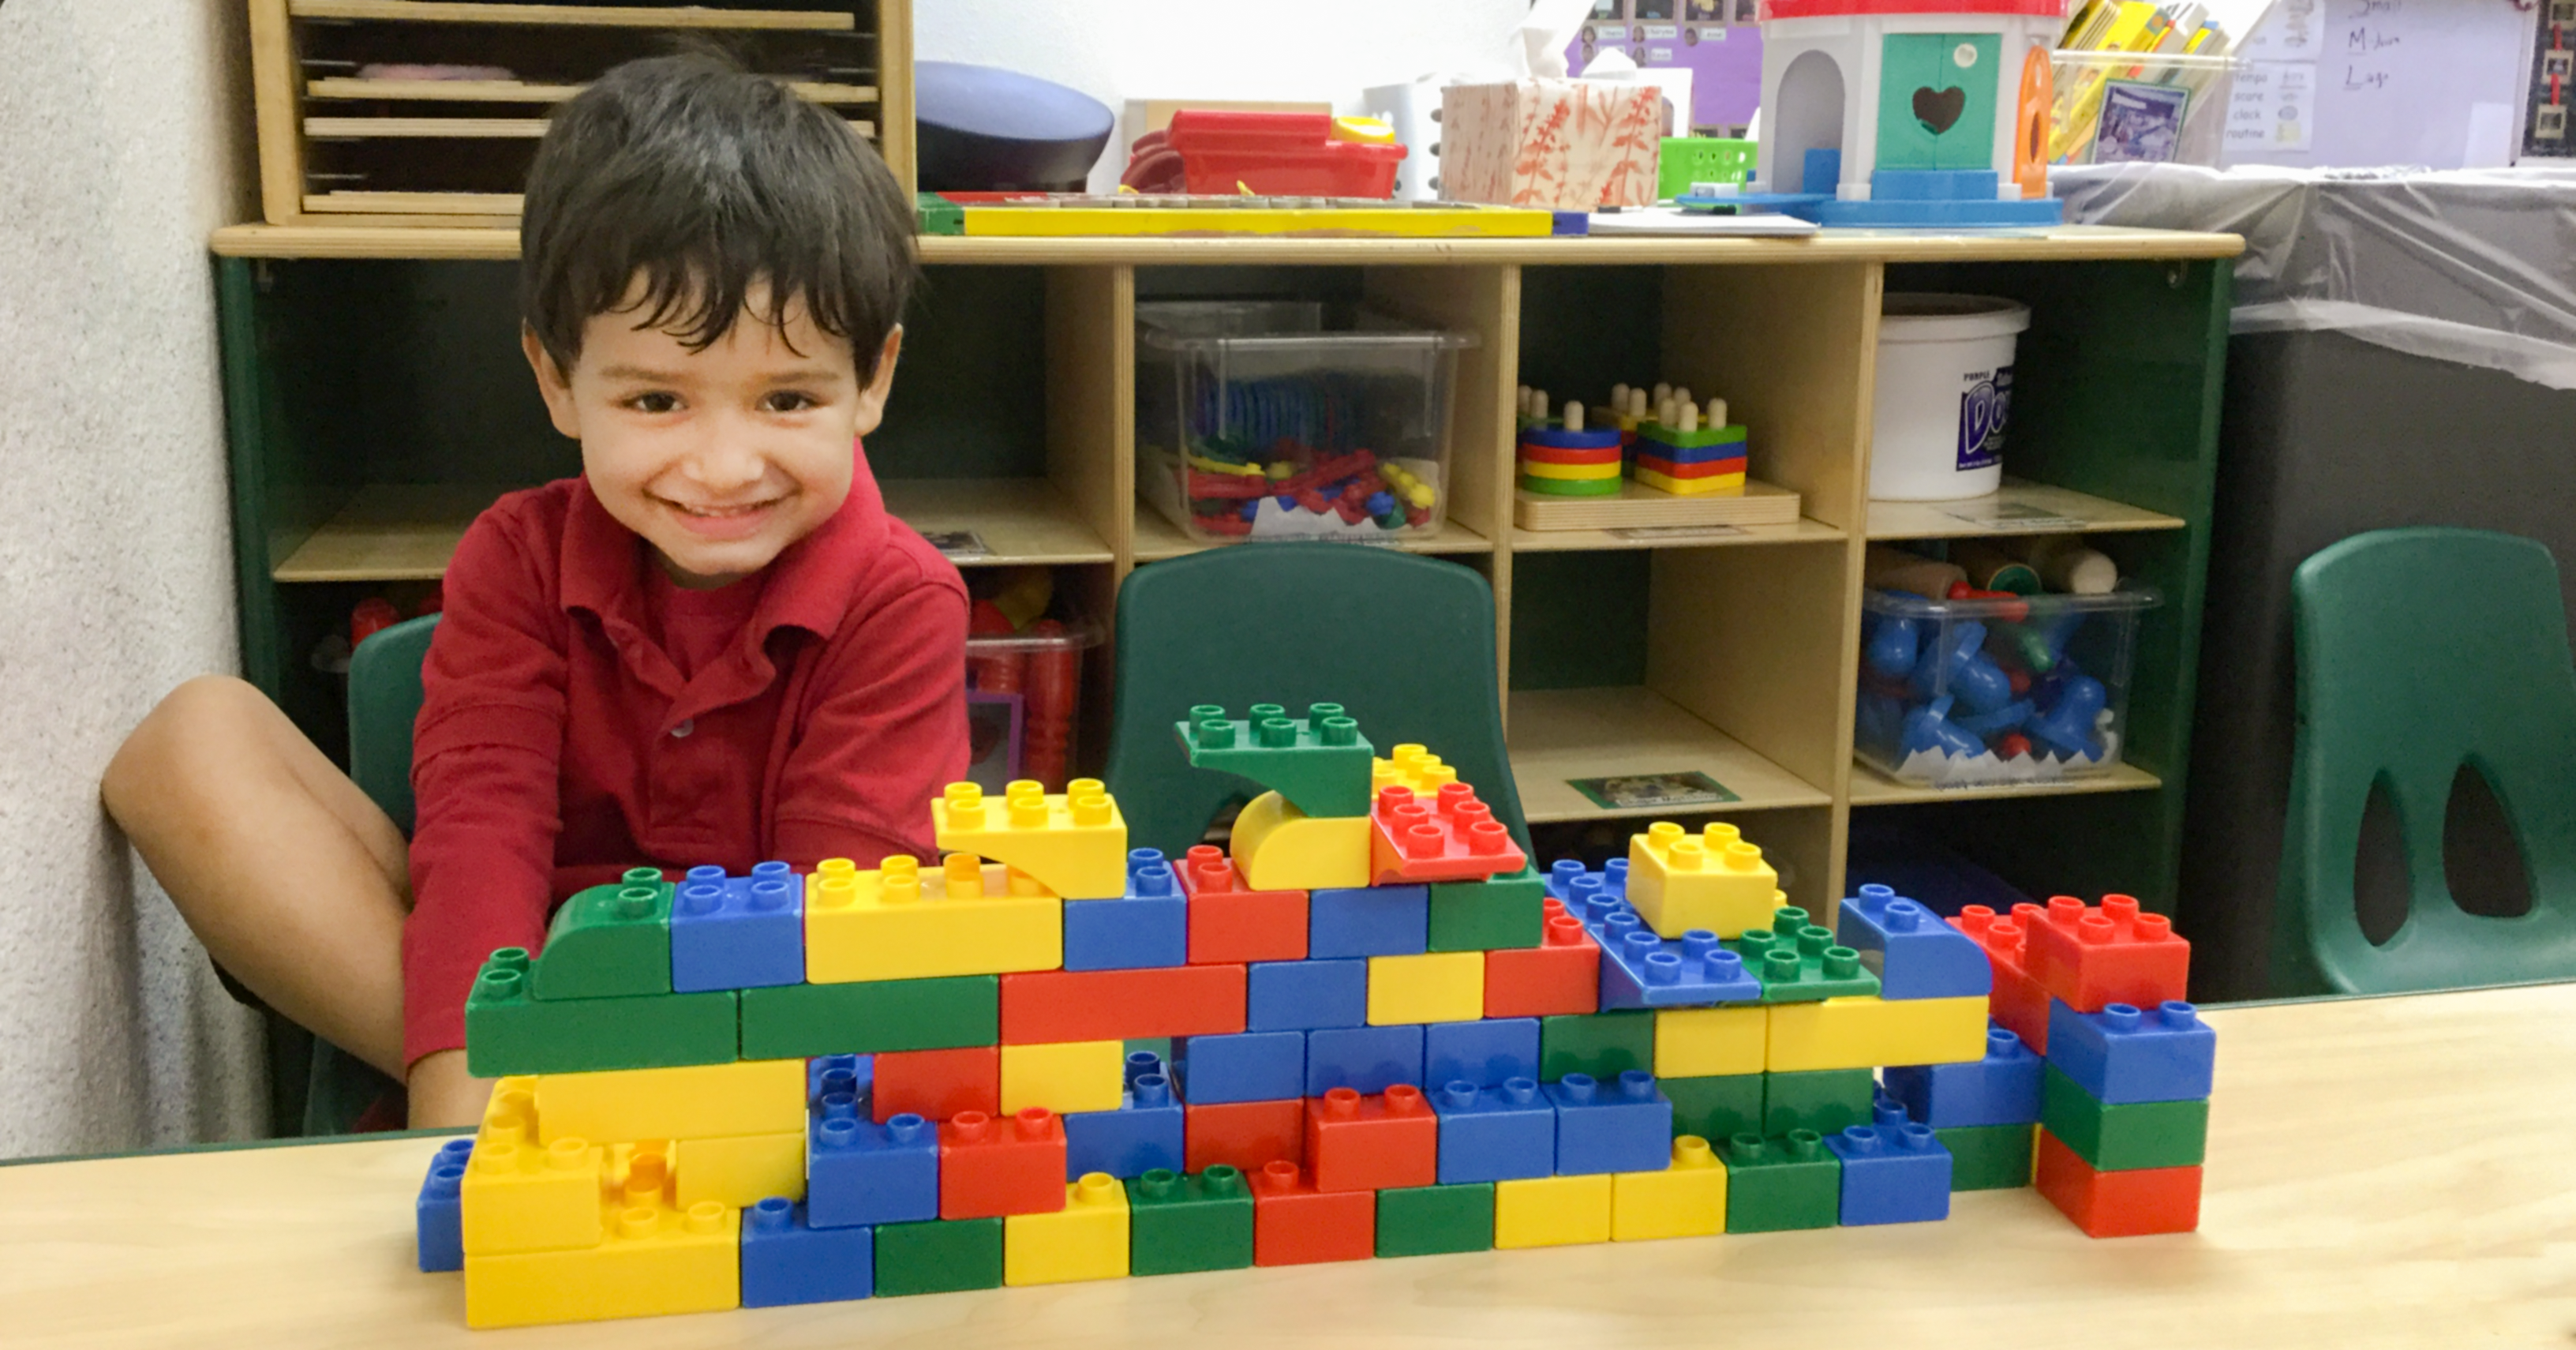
(719, 458)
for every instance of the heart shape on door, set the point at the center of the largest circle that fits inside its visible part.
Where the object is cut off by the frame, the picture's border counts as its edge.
(1938, 109)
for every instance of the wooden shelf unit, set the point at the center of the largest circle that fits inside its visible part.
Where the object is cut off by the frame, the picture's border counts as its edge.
(371, 390)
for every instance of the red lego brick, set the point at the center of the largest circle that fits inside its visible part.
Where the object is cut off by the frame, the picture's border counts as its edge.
(937, 1084)
(1451, 837)
(1121, 1005)
(1229, 923)
(1010, 1165)
(1244, 1135)
(1381, 1142)
(1294, 1224)
(2091, 958)
(1562, 975)
(2017, 1002)
(2117, 1204)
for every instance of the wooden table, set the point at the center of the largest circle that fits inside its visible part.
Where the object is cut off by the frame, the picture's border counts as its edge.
(2382, 1172)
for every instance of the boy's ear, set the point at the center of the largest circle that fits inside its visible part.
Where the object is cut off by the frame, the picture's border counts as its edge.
(553, 382)
(872, 398)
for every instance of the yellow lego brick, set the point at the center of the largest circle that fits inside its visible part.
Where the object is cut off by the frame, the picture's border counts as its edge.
(739, 1170)
(1552, 1211)
(755, 1096)
(1716, 881)
(522, 1197)
(1410, 766)
(1063, 1076)
(1086, 1240)
(1688, 1200)
(1074, 844)
(1864, 1033)
(899, 923)
(654, 1259)
(1438, 987)
(1280, 848)
(1707, 1042)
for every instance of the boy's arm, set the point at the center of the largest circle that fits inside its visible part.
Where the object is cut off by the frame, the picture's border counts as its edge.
(887, 732)
(485, 756)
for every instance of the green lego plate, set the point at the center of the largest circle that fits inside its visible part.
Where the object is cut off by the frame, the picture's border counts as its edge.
(1319, 762)
(1798, 962)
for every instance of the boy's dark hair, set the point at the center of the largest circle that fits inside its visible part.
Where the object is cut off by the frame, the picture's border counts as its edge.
(705, 179)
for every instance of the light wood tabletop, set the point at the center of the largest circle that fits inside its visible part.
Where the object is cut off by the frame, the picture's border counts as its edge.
(2382, 1172)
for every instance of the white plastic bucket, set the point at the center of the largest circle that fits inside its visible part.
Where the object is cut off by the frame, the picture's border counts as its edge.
(1944, 391)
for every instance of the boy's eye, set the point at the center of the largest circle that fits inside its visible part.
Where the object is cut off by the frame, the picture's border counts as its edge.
(787, 400)
(653, 403)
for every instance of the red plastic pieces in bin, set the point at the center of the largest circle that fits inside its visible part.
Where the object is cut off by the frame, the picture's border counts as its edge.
(1278, 154)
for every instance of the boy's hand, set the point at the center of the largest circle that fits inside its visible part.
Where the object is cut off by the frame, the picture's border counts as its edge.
(443, 1094)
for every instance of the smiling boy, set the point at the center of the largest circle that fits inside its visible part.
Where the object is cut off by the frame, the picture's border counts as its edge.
(714, 646)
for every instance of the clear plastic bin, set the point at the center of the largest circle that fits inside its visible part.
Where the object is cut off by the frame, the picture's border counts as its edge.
(1966, 693)
(1272, 420)
(1024, 702)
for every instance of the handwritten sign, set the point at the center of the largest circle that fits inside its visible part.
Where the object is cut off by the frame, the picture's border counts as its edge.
(2373, 82)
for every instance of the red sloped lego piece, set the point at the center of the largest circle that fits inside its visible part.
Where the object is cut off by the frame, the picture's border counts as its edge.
(1563, 975)
(2017, 1002)
(1243, 1135)
(1044, 1006)
(2092, 958)
(1231, 924)
(990, 1167)
(1452, 837)
(1381, 1142)
(937, 1084)
(2117, 1204)
(1294, 1224)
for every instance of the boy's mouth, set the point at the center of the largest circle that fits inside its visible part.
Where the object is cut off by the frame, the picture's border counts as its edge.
(721, 522)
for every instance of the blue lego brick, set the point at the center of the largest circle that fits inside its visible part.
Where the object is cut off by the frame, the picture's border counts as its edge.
(1565, 879)
(860, 1172)
(1915, 954)
(1495, 1134)
(1641, 970)
(1932, 185)
(827, 1074)
(1251, 1066)
(1363, 1059)
(1368, 921)
(1143, 1064)
(439, 1215)
(1892, 1174)
(1149, 927)
(1305, 995)
(1144, 1133)
(1482, 1053)
(2123, 1054)
(1931, 214)
(1626, 1126)
(737, 932)
(786, 1260)
(2001, 1089)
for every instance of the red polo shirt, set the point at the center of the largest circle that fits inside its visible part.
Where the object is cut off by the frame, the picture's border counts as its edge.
(582, 718)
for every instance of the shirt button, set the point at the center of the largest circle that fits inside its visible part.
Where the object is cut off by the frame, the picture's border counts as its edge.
(684, 729)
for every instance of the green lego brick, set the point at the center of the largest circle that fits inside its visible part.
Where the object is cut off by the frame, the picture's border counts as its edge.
(1603, 1045)
(938, 1256)
(1715, 1108)
(797, 1021)
(1177, 1223)
(1319, 762)
(2125, 1137)
(1798, 962)
(1430, 1220)
(1827, 1101)
(1781, 1183)
(609, 942)
(938, 215)
(1989, 1157)
(508, 1032)
(1479, 916)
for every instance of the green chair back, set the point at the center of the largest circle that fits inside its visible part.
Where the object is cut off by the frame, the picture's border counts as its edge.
(1405, 644)
(384, 701)
(2419, 651)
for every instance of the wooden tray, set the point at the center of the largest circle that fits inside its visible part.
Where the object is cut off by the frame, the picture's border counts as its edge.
(1638, 506)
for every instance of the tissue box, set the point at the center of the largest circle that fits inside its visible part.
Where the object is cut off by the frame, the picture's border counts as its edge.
(1561, 145)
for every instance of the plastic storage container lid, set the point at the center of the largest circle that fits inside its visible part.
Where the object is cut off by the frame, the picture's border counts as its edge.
(1926, 316)
(1078, 634)
(1372, 330)
(1907, 605)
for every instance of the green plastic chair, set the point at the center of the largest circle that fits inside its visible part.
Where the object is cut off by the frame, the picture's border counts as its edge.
(384, 701)
(1405, 644)
(2421, 650)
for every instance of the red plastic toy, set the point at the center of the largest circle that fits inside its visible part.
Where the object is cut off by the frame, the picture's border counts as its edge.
(1245, 1135)
(2018, 1003)
(1277, 154)
(1229, 923)
(2092, 958)
(937, 1084)
(989, 1167)
(1045, 1006)
(1356, 1143)
(1560, 976)
(2118, 1204)
(1295, 1224)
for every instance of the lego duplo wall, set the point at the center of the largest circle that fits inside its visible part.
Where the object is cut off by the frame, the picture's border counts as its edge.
(1389, 1036)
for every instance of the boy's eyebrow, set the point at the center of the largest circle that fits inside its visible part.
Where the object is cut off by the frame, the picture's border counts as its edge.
(798, 375)
(639, 373)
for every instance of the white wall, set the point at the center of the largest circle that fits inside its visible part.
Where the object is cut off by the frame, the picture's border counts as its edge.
(1115, 50)
(121, 147)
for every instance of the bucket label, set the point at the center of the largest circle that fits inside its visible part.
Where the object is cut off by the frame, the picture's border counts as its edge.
(1984, 403)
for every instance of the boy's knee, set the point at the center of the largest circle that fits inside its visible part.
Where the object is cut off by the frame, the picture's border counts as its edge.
(183, 716)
